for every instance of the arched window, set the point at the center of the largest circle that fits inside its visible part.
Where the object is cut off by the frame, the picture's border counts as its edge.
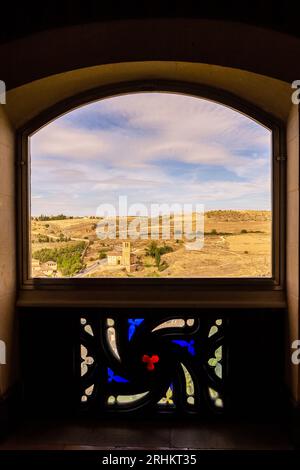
(151, 185)
(154, 185)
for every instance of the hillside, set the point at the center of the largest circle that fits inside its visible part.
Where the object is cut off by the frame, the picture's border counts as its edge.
(236, 244)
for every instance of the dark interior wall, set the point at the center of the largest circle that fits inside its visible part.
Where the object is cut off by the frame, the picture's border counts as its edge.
(253, 385)
(221, 43)
(23, 18)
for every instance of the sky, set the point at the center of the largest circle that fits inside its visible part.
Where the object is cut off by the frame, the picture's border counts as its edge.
(154, 148)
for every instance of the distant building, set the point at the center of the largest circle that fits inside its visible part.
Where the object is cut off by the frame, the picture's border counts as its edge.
(49, 267)
(124, 258)
(114, 258)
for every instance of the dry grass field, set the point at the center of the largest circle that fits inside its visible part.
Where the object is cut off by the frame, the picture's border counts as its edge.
(236, 244)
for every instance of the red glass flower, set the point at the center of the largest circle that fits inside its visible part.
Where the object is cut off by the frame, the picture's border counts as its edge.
(150, 361)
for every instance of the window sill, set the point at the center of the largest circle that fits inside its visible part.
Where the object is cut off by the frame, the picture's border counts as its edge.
(157, 297)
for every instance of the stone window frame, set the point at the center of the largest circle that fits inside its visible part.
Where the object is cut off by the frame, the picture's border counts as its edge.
(200, 285)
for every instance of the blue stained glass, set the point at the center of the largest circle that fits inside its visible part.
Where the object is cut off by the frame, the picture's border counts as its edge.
(186, 344)
(133, 323)
(115, 378)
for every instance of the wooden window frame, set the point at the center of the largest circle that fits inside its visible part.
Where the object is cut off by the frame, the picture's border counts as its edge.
(110, 290)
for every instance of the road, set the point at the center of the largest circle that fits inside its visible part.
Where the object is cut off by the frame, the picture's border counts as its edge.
(91, 268)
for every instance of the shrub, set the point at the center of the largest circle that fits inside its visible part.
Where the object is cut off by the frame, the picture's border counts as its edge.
(165, 249)
(156, 252)
(164, 265)
(43, 238)
(102, 254)
(43, 217)
(151, 250)
(157, 258)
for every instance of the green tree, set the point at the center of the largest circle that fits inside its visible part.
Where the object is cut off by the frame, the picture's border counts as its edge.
(165, 249)
(102, 255)
(164, 265)
(68, 259)
(151, 250)
(157, 258)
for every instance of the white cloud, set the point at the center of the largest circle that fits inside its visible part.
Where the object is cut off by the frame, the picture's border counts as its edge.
(146, 132)
(59, 140)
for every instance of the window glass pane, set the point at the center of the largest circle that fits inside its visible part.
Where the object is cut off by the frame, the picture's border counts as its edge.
(151, 185)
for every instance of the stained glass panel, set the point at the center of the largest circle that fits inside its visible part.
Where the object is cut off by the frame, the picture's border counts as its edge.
(155, 364)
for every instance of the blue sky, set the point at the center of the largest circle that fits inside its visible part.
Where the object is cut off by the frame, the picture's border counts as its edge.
(153, 148)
